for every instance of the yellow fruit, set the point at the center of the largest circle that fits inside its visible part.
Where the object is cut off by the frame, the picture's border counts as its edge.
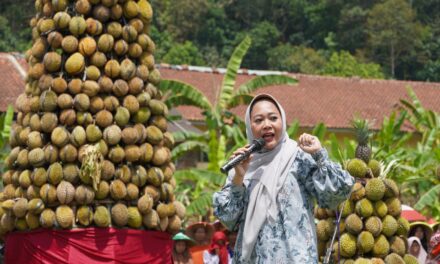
(47, 218)
(357, 168)
(102, 216)
(35, 206)
(20, 207)
(87, 46)
(64, 216)
(119, 214)
(134, 217)
(77, 25)
(84, 215)
(375, 189)
(75, 64)
(118, 190)
(65, 192)
(151, 220)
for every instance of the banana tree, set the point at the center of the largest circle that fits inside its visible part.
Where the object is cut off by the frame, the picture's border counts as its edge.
(224, 128)
(426, 158)
(5, 130)
(416, 165)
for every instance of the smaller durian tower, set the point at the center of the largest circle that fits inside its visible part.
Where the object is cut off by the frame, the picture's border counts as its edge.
(370, 229)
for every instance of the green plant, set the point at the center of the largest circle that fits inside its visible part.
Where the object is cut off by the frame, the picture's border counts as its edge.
(5, 130)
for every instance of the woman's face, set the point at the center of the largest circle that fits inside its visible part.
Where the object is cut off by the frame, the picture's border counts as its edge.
(200, 234)
(266, 123)
(419, 233)
(180, 246)
(414, 249)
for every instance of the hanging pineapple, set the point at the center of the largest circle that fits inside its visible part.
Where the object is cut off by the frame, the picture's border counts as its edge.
(363, 150)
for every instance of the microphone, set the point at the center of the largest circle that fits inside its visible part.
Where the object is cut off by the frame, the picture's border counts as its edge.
(256, 145)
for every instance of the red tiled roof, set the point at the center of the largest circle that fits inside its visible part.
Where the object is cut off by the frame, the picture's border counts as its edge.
(13, 69)
(331, 100)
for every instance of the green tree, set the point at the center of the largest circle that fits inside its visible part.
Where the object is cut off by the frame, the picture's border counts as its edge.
(183, 18)
(264, 36)
(10, 41)
(351, 31)
(224, 128)
(164, 42)
(286, 57)
(15, 32)
(344, 64)
(393, 30)
(185, 53)
(430, 71)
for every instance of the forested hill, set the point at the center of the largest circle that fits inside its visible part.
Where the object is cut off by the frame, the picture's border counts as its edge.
(397, 39)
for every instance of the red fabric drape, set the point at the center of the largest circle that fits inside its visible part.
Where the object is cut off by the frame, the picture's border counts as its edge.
(88, 246)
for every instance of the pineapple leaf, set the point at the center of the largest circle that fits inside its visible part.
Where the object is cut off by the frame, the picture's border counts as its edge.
(361, 128)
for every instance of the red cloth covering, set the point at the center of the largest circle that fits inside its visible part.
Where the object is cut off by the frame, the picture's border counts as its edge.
(88, 246)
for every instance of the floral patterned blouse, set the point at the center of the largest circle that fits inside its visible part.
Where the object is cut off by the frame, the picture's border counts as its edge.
(292, 238)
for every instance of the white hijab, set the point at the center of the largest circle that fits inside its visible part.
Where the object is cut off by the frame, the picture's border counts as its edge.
(422, 253)
(269, 169)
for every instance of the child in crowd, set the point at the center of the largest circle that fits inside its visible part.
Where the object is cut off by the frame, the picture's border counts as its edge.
(181, 254)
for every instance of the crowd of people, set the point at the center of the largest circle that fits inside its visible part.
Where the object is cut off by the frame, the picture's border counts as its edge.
(204, 243)
(424, 243)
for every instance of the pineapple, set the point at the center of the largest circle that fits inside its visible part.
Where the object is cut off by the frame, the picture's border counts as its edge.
(363, 150)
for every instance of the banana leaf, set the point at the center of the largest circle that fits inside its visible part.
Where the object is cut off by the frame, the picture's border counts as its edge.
(184, 94)
(428, 198)
(232, 68)
(186, 147)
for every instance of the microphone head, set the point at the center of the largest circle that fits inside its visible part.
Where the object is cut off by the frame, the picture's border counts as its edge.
(259, 143)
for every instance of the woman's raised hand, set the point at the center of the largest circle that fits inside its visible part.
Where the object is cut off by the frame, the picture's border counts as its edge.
(309, 143)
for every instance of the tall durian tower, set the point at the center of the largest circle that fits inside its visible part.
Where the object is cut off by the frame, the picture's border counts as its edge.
(90, 144)
(371, 230)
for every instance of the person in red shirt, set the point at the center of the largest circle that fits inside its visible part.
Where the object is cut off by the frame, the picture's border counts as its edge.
(217, 253)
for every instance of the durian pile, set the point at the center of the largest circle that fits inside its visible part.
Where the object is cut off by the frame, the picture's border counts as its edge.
(90, 144)
(371, 230)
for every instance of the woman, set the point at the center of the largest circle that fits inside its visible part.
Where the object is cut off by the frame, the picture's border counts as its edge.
(416, 249)
(421, 230)
(268, 197)
(217, 253)
(201, 233)
(181, 254)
